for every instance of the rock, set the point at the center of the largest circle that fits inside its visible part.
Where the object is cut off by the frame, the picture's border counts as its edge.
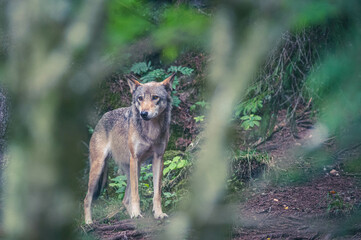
(334, 172)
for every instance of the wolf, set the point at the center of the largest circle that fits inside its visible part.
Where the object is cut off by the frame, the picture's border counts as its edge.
(132, 135)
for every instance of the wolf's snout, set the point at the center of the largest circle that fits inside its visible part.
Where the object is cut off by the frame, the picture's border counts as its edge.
(144, 115)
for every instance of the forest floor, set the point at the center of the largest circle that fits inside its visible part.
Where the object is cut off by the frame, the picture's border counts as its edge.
(310, 209)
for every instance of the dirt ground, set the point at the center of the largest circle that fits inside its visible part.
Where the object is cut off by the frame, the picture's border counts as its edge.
(314, 209)
(300, 212)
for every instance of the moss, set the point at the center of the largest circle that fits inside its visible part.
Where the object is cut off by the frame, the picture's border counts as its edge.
(353, 166)
(176, 133)
(170, 154)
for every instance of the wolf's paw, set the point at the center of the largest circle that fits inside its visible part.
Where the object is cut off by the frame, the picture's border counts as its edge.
(135, 213)
(160, 215)
(88, 221)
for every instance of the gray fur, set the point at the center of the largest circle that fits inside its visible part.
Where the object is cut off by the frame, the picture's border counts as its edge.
(127, 136)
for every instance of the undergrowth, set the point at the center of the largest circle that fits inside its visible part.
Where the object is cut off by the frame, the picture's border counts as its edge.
(245, 165)
(173, 169)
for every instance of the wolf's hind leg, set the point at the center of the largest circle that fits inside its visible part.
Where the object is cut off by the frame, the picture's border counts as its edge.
(97, 156)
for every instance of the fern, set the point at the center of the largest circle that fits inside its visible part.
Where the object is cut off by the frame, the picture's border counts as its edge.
(141, 67)
(249, 121)
(184, 70)
(157, 74)
(175, 99)
(249, 106)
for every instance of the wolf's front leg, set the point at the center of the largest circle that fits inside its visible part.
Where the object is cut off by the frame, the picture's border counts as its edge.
(134, 210)
(157, 183)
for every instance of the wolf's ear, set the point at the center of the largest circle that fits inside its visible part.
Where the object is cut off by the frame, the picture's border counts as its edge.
(133, 82)
(168, 82)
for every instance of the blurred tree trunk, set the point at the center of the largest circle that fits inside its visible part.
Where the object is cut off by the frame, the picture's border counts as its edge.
(48, 93)
(236, 56)
(3, 127)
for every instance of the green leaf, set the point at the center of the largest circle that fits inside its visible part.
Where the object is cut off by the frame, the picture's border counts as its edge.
(167, 194)
(175, 101)
(203, 104)
(157, 74)
(256, 117)
(181, 164)
(141, 67)
(166, 170)
(184, 70)
(172, 166)
(167, 202)
(179, 25)
(199, 118)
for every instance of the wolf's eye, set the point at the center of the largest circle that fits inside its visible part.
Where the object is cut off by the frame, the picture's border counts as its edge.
(140, 98)
(155, 98)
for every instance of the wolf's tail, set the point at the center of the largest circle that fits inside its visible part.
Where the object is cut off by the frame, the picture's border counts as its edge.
(102, 182)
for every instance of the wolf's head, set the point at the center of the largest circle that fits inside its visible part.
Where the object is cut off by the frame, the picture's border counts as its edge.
(151, 99)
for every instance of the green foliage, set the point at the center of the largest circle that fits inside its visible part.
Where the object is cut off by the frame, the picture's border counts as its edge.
(311, 14)
(199, 118)
(172, 167)
(246, 164)
(249, 106)
(249, 121)
(180, 26)
(170, 199)
(203, 105)
(146, 186)
(171, 28)
(119, 183)
(250, 155)
(336, 205)
(171, 170)
(175, 99)
(90, 129)
(141, 67)
(155, 75)
(127, 20)
(353, 166)
(183, 70)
